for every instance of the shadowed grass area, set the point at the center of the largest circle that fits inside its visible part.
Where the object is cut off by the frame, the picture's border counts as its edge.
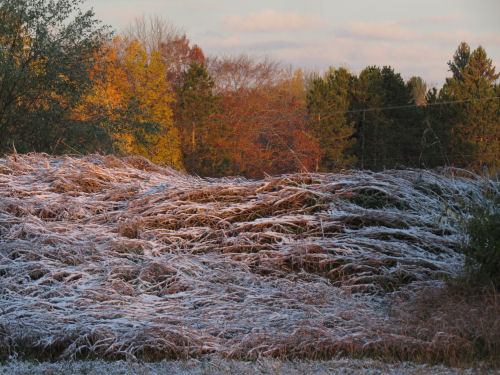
(460, 320)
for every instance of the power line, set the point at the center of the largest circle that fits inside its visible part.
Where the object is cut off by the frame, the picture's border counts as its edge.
(416, 105)
(277, 116)
(295, 116)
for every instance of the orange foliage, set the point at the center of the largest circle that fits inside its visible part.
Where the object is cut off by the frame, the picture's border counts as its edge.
(132, 92)
(260, 127)
(264, 107)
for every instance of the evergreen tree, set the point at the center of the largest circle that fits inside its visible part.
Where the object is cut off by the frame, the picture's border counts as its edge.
(404, 126)
(433, 141)
(471, 128)
(387, 137)
(369, 124)
(460, 62)
(328, 98)
(197, 103)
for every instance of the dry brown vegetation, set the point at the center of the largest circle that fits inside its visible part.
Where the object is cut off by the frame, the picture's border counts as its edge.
(120, 258)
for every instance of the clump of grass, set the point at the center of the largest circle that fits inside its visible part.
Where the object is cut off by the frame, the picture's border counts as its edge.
(376, 199)
(428, 187)
(130, 227)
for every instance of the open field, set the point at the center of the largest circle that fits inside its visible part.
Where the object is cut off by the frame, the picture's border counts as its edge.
(113, 258)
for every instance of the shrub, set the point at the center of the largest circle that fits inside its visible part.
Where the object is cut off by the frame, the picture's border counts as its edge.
(482, 239)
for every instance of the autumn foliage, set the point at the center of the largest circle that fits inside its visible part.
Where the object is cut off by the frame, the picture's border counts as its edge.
(133, 99)
(263, 108)
(151, 92)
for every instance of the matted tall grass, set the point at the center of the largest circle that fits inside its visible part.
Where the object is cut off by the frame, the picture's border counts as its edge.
(120, 258)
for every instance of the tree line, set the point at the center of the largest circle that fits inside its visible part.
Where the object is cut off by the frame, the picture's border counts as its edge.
(68, 85)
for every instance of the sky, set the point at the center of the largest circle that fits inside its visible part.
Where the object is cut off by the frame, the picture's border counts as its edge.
(414, 37)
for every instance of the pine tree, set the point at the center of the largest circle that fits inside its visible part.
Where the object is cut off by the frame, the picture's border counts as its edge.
(460, 62)
(197, 103)
(472, 127)
(387, 136)
(434, 138)
(368, 94)
(328, 98)
(403, 126)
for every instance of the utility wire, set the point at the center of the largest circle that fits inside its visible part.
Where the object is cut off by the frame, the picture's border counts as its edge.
(282, 116)
(416, 105)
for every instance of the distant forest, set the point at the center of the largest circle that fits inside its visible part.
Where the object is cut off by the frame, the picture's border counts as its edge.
(68, 84)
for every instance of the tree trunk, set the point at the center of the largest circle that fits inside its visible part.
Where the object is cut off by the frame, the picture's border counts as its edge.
(193, 138)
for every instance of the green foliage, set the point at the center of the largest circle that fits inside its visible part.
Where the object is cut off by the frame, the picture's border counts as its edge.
(197, 104)
(482, 244)
(433, 140)
(328, 98)
(385, 138)
(470, 129)
(460, 62)
(47, 52)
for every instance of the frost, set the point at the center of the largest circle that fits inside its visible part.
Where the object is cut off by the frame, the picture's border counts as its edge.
(120, 258)
(215, 366)
(219, 366)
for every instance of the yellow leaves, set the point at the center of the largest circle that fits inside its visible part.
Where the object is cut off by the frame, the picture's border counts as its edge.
(291, 89)
(165, 148)
(135, 93)
(63, 77)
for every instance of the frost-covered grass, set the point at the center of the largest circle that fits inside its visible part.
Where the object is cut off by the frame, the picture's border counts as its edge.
(121, 259)
(218, 366)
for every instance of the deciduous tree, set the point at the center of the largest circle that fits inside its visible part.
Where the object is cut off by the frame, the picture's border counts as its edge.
(418, 89)
(47, 53)
(263, 109)
(134, 99)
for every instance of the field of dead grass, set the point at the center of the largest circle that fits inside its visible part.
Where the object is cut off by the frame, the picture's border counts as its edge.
(111, 258)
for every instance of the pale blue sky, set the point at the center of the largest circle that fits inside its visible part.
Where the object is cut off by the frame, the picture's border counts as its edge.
(414, 37)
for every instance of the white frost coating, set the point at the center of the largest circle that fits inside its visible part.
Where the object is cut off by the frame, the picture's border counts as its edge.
(121, 258)
(218, 366)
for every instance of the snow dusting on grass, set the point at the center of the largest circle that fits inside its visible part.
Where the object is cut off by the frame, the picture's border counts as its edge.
(218, 366)
(121, 259)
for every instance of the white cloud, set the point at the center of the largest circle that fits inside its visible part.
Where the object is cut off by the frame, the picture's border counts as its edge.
(232, 41)
(388, 30)
(457, 36)
(128, 11)
(270, 20)
(408, 59)
(194, 4)
(439, 19)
